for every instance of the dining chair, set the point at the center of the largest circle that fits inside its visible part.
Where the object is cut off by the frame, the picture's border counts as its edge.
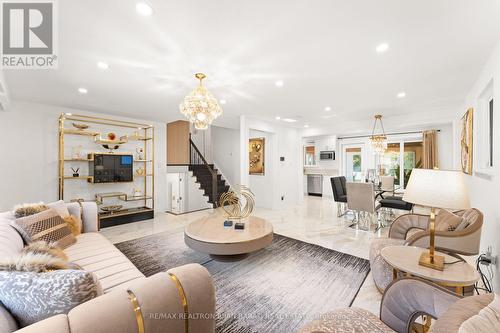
(361, 200)
(387, 183)
(339, 194)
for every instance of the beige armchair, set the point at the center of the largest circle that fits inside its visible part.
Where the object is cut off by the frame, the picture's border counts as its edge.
(412, 230)
(404, 301)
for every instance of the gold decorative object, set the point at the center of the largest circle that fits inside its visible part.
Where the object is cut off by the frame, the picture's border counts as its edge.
(200, 107)
(466, 137)
(81, 127)
(140, 171)
(256, 156)
(184, 300)
(378, 141)
(137, 310)
(111, 208)
(231, 202)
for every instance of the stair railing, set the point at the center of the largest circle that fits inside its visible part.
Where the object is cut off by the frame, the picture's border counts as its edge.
(196, 158)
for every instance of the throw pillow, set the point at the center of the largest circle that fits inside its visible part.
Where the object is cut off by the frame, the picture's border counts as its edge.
(74, 224)
(60, 208)
(47, 226)
(28, 209)
(31, 297)
(42, 247)
(38, 257)
(447, 221)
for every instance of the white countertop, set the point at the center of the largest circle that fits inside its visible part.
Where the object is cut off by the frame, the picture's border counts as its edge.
(317, 170)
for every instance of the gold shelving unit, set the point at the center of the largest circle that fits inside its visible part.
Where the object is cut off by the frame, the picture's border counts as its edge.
(141, 133)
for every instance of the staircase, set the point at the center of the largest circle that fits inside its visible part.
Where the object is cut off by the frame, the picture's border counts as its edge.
(207, 176)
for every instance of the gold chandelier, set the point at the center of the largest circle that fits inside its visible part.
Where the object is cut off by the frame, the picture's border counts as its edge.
(200, 107)
(378, 141)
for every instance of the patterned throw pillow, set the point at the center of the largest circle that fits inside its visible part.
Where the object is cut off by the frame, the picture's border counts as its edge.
(31, 297)
(47, 226)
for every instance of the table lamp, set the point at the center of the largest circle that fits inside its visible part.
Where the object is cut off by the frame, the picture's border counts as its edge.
(436, 189)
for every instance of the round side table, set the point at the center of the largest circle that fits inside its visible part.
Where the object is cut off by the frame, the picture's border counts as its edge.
(455, 274)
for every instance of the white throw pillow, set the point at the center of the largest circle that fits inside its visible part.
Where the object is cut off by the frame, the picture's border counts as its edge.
(60, 208)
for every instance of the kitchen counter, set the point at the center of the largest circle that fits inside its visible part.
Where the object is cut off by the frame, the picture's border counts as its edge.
(312, 170)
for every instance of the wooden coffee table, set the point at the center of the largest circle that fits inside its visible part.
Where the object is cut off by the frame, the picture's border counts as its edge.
(208, 235)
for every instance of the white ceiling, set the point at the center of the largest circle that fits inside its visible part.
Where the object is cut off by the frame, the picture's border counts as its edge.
(323, 50)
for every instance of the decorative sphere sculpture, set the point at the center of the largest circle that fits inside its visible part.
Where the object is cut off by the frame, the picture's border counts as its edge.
(232, 202)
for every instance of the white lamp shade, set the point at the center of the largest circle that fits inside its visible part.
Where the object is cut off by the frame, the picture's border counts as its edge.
(438, 189)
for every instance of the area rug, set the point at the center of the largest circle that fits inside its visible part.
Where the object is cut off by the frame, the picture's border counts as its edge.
(276, 289)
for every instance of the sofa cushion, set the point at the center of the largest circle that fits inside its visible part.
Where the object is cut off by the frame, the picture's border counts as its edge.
(10, 240)
(94, 253)
(47, 226)
(348, 320)
(31, 297)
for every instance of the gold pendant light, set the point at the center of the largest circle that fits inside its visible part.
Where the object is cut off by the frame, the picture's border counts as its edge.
(378, 141)
(200, 107)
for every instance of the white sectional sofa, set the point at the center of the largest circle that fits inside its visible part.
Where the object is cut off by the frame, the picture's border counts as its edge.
(179, 300)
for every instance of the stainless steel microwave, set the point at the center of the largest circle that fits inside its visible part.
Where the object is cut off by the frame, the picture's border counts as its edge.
(327, 155)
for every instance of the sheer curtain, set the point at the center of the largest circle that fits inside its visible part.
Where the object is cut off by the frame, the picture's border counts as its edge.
(430, 150)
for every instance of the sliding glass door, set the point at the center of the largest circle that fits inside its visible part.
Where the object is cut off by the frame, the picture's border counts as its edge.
(390, 162)
(399, 159)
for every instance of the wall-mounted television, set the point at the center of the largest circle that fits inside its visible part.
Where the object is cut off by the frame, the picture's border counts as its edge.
(112, 168)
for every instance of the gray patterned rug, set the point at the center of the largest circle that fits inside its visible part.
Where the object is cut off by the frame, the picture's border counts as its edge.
(277, 289)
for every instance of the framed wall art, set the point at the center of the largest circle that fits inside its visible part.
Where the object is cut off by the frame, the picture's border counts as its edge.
(256, 151)
(466, 141)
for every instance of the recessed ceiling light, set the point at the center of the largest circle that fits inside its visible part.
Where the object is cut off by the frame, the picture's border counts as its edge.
(222, 101)
(82, 90)
(69, 114)
(144, 9)
(328, 108)
(102, 65)
(402, 94)
(381, 48)
(290, 120)
(279, 83)
(306, 126)
(278, 118)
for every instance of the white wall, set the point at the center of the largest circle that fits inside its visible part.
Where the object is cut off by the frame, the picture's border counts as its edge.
(484, 190)
(29, 148)
(285, 178)
(226, 152)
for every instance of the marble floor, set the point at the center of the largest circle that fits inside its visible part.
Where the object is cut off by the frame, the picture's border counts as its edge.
(314, 221)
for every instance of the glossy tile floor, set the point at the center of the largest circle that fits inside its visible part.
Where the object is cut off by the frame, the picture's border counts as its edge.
(313, 221)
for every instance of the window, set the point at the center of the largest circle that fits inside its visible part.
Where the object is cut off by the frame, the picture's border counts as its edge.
(399, 160)
(309, 153)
